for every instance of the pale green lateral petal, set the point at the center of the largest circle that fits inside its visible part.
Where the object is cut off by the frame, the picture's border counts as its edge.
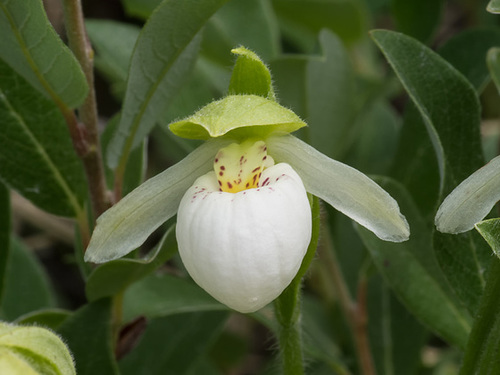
(345, 188)
(471, 201)
(126, 226)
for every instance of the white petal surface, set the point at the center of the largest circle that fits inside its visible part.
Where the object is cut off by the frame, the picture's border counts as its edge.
(126, 226)
(343, 187)
(471, 201)
(245, 248)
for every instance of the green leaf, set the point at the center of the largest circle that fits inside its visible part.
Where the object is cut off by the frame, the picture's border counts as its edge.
(32, 351)
(88, 334)
(411, 270)
(417, 18)
(481, 353)
(224, 31)
(31, 46)
(27, 286)
(36, 154)
(113, 277)
(5, 218)
(250, 75)
(162, 294)
(238, 117)
(301, 20)
(493, 6)
(174, 344)
(49, 318)
(140, 8)
(490, 230)
(114, 44)
(466, 52)
(331, 96)
(493, 60)
(164, 55)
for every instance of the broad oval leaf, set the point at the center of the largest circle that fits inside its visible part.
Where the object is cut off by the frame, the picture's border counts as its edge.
(31, 46)
(33, 350)
(240, 117)
(163, 56)
(36, 154)
(343, 187)
(493, 6)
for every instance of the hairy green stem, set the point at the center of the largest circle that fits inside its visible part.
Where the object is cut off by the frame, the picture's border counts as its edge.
(91, 156)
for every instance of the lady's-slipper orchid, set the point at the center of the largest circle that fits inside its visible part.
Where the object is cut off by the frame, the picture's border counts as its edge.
(243, 216)
(470, 201)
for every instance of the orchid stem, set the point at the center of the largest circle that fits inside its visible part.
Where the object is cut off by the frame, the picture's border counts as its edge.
(86, 139)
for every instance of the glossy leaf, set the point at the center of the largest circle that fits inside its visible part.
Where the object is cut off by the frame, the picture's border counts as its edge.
(343, 187)
(421, 27)
(250, 75)
(164, 54)
(27, 286)
(162, 294)
(493, 6)
(126, 225)
(36, 154)
(466, 52)
(33, 350)
(493, 60)
(174, 344)
(238, 117)
(31, 46)
(114, 43)
(113, 277)
(5, 223)
(90, 328)
(414, 275)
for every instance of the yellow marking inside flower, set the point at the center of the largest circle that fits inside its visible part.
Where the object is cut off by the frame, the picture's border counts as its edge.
(239, 166)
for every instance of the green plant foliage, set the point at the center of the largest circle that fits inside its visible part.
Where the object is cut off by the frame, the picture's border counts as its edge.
(157, 69)
(31, 46)
(494, 65)
(36, 153)
(422, 27)
(26, 286)
(5, 222)
(494, 6)
(33, 351)
(92, 351)
(189, 336)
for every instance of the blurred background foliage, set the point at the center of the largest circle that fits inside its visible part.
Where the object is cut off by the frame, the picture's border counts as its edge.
(419, 297)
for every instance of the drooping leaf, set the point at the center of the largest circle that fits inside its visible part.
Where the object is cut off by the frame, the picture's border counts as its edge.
(164, 54)
(163, 294)
(493, 6)
(36, 154)
(114, 43)
(113, 277)
(31, 46)
(493, 60)
(5, 220)
(421, 27)
(89, 337)
(27, 286)
(411, 270)
(466, 52)
(174, 344)
(33, 350)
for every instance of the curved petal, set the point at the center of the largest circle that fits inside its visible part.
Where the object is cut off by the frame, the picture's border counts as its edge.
(245, 248)
(343, 187)
(126, 226)
(471, 201)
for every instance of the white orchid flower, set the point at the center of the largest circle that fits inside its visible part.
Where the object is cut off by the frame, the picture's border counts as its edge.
(243, 215)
